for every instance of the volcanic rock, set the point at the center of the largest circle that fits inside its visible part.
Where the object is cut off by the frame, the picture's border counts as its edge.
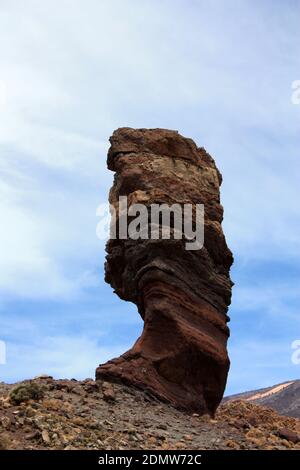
(285, 433)
(135, 421)
(182, 295)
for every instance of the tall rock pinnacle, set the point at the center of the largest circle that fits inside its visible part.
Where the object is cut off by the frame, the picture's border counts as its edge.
(182, 295)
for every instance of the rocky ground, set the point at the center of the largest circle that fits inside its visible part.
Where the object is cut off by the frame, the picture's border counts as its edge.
(67, 414)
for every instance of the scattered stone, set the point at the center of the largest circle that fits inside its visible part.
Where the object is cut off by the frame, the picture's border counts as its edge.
(127, 424)
(162, 426)
(5, 442)
(188, 437)
(232, 444)
(46, 437)
(43, 376)
(32, 435)
(108, 392)
(289, 435)
(5, 422)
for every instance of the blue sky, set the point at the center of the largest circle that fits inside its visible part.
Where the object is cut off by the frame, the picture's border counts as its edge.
(221, 73)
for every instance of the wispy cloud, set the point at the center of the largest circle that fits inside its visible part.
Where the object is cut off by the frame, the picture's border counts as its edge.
(219, 72)
(261, 363)
(59, 356)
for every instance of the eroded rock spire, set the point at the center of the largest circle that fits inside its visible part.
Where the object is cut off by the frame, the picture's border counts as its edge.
(182, 296)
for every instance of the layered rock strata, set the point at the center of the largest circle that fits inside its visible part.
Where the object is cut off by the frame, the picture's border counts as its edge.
(182, 295)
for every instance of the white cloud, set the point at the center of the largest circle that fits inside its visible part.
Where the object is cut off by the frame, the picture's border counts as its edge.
(256, 364)
(40, 233)
(269, 298)
(60, 356)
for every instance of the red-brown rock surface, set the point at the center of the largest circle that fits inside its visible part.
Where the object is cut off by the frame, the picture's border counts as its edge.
(182, 295)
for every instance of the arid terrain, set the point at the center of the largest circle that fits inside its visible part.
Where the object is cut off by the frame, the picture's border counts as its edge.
(283, 398)
(67, 414)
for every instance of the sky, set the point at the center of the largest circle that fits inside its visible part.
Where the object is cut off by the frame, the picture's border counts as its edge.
(72, 71)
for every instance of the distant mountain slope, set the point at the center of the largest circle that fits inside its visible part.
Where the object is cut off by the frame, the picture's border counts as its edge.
(284, 398)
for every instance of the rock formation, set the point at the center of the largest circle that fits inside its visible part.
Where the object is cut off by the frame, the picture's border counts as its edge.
(182, 295)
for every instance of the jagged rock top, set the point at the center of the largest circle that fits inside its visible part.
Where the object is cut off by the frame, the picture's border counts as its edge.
(162, 142)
